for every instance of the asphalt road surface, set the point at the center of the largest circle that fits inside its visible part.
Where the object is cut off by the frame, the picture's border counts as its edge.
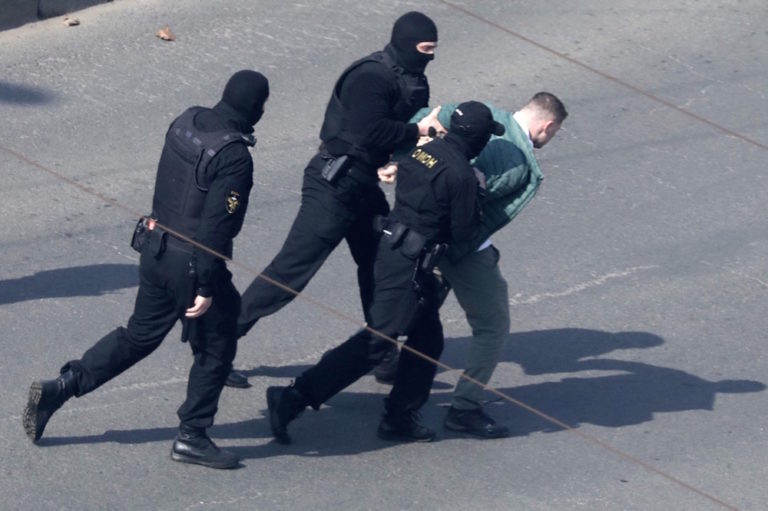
(638, 277)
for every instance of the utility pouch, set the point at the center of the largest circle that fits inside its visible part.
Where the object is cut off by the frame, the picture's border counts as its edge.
(336, 168)
(394, 234)
(157, 242)
(140, 234)
(413, 244)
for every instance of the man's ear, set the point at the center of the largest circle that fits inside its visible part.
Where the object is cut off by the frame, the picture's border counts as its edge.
(548, 126)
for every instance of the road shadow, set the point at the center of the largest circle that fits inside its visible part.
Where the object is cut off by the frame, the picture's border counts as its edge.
(345, 426)
(293, 371)
(289, 371)
(21, 94)
(632, 394)
(91, 280)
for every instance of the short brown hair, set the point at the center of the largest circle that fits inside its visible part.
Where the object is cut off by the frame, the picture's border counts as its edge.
(550, 104)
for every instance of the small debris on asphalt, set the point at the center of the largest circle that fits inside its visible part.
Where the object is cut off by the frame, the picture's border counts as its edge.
(165, 34)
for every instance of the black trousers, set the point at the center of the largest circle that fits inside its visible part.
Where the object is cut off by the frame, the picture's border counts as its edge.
(396, 309)
(165, 291)
(328, 214)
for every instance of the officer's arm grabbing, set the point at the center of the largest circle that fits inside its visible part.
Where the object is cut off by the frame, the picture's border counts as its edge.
(370, 94)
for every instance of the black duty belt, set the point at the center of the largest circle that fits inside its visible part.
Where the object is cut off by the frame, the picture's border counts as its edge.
(411, 243)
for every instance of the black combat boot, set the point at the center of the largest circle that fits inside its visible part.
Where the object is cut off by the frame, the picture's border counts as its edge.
(285, 404)
(45, 397)
(192, 445)
(237, 380)
(475, 422)
(403, 426)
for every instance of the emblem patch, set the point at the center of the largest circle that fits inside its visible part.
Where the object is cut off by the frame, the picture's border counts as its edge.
(233, 202)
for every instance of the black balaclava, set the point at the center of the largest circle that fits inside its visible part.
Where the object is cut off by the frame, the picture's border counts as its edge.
(409, 30)
(246, 92)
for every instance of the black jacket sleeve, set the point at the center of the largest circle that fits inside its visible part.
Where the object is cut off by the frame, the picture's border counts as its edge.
(370, 93)
(231, 179)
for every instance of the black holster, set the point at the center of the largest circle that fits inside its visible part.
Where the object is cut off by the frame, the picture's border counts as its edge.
(140, 234)
(431, 256)
(410, 242)
(427, 293)
(155, 239)
(188, 325)
(336, 167)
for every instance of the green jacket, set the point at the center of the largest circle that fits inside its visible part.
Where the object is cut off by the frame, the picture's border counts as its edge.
(511, 171)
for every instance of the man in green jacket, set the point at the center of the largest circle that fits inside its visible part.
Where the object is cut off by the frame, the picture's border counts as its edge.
(512, 177)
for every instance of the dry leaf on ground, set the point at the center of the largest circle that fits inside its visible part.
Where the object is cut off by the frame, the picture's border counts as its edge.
(165, 34)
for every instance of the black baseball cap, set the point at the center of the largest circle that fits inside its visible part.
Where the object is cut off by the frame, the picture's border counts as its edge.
(473, 118)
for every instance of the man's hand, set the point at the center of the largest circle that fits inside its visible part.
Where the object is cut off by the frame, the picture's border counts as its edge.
(388, 173)
(202, 303)
(480, 177)
(430, 121)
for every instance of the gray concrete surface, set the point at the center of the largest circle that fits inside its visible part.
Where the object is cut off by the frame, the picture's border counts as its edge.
(14, 13)
(638, 275)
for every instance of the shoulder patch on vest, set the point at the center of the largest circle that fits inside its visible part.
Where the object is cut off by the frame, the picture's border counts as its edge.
(424, 158)
(233, 202)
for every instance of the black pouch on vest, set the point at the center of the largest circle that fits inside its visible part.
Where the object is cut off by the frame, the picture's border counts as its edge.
(157, 241)
(413, 244)
(140, 235)
(395, 233)
(336, 168)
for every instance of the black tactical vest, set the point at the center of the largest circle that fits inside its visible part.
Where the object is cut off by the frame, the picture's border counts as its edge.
(417, 203)
(181, 187)
(414, 95)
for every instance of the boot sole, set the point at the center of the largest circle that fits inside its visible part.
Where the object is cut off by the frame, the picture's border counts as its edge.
(463, 429)
(29, 419)
(394, 437)
(274, 423)
(237, 385)
(197, 461)
(237, 382)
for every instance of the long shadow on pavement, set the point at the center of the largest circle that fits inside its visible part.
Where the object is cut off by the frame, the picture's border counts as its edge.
(23, 94)
(346, 427)
(90, 280)
(631, 394)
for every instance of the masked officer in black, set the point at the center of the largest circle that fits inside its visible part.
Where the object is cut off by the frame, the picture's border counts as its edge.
(201, 193)
(365, 121)
(436, 202)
